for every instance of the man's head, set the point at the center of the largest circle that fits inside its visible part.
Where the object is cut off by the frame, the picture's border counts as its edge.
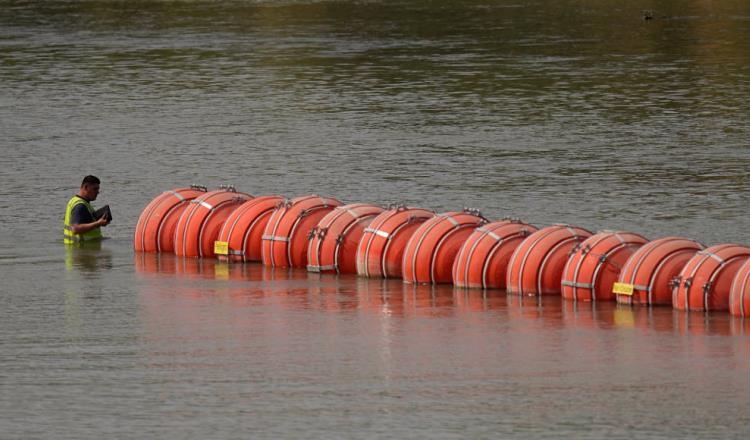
(89, 188)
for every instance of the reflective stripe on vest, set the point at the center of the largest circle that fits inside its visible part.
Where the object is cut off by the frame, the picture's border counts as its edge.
(68, 236)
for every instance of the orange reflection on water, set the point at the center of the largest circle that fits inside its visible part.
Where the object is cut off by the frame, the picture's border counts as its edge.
(250, 284)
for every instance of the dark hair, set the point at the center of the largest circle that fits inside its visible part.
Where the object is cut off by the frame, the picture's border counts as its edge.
(90, 180)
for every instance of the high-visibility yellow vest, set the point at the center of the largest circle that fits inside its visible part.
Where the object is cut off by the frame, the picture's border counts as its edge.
(70, 237)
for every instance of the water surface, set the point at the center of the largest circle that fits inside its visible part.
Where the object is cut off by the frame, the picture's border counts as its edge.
(553, 112)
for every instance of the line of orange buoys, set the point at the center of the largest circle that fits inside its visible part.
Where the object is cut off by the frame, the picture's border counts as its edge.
(460, 247)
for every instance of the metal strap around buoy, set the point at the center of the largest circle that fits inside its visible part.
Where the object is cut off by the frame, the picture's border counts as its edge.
(742, 293)
(178, 195)
(470, 256)
(378, 232)
(528, 251)
(315, 268)
(689, 280)
(202, 203)
(488, 232)
(647, 249)
(279, 215)
(450, 218)
(275, 238)
(711, 255)
(712, 280)
(599, 263)
(417, 247)
(546, 259)
(576, 284)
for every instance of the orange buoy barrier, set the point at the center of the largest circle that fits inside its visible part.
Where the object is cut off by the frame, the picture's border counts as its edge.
(537, 264)
(284, 241)
(154, 231)
(200, 223)
(647, 275)
(381, 248)
(240, 237)
(704, 282)
(333, 242)
(483, 259)
(595, 266)
(739, 293)
(431, 250)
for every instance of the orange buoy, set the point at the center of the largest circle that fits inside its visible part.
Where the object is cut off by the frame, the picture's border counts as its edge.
(242, 232)
(647, 275)
(199, 225)
(483, 259)
(381, 249)
(739, 293)
(537, 264)
(333, 242)
(704, 282)
(595, 266)
(429, 253)
(286, 235)
(154, 231)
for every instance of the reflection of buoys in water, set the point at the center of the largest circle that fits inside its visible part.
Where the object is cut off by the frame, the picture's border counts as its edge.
(286, 235)
(428, 300)
(739, 293)
(333, 242)
(483, 259)
(243, 229)
(595, 266)
(431, 250)
(705, 281)
(154, 231)
(647, 275)
(199, 225)
(152, 263)
(537, 264)
(381, 249)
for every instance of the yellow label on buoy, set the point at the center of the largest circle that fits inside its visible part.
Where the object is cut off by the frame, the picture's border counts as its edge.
(221, 248)
(623, 289)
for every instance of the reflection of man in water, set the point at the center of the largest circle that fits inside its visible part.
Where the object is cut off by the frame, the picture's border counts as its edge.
(81, 221)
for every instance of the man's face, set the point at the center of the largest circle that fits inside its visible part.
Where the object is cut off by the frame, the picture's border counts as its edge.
(90, 191)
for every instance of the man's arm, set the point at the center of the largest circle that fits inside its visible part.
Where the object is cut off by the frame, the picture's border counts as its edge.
(82, 222)
(82, 228)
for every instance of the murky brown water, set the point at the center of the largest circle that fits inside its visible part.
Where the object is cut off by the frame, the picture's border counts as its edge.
(569, 111)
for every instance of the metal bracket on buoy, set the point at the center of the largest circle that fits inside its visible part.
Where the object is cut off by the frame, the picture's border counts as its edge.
(675, 282)
(229, 188)
(340, 239)
(688, 282)
(322, 233)
(473, 211)
(312, 233)
(198, 187)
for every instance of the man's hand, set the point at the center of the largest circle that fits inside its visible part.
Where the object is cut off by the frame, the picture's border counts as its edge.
(104, 221)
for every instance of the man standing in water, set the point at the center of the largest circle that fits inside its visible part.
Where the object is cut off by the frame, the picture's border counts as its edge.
(82, 223)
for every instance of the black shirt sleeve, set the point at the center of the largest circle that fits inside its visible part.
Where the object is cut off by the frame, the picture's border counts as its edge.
(80, 215)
